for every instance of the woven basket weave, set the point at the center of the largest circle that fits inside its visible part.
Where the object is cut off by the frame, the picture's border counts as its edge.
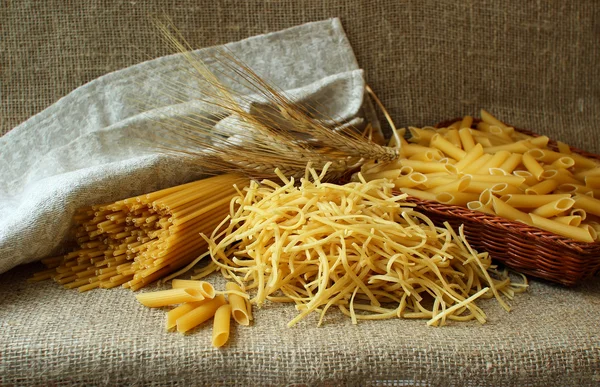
(529, 250)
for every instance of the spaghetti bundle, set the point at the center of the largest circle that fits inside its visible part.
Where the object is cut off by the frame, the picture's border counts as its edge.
(357, 247)
(138, 240)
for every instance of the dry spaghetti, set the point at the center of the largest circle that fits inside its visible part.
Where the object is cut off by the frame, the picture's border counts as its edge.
(357, 247)
(139, 240)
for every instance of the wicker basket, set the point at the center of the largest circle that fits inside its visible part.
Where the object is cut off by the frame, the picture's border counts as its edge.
(529, 250)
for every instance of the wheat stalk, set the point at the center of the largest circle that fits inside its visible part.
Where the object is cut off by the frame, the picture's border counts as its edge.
(259, 143)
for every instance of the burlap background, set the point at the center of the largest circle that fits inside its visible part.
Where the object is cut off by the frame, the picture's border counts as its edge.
(534, 64)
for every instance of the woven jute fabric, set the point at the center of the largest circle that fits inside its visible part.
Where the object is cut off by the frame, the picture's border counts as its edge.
(51, 336)
(533, 64)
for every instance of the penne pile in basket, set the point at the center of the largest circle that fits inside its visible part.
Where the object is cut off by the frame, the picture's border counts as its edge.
(489, 166)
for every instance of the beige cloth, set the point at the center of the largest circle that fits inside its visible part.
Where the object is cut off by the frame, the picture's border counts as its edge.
(105, 337)
(533, 64)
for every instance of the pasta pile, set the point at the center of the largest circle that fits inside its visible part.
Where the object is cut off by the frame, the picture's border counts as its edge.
(357, 247)
(198, 302)
(492, 168)
(139, 240)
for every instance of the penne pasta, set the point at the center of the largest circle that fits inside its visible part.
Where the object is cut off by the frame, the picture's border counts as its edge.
(456, 198)
(169, 297)
(509, 212)
(200, 314)
(207, 290)
(473, 154)
(478, 206)
(542, 188)
(511, 162)
(571, 220)
(221, 326)
(439, 142)
(531, 201)
(577, 233)
(554, 208)
(238, 304)
(179, 311)
(588, 204)
(409, 181)
(466, 138)
(532, 165)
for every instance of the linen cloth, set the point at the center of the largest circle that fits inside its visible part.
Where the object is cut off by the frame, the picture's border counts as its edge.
(88, 148)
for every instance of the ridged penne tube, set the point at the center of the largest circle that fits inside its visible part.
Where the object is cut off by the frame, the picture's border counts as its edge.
(466, 122)
(439, 142)
(531, 201)
(425, 167)
(479, 186)
(414, 149)
(484, 141)
(207, 290)
(435, 180)
(589, 172)
(514, 147)
(221, 326)
(504, 189)
(200, 314)
(592, 182)
(554, 208)
(589, 204)
(478, 206)
(574, 188)
(571, 220)
(473, 154)
(424, 156)
(421, 135)
(238, 304)
(591, 229)
(532, 165)
(458, 185)
(453, 137)
(423, 195)
(456, 198)
(486, 198)
(583, 162)
(409, 181)
(546, 156)
(475, 165)
(508, 179)
(490, 119)
(389, 174)
(466, 138)
(169, 297)
(179, 311)
(542, 188)
(509, 212)
(563, 162)
(577, 233)
(496, 160)
(511, 162)
(529, 178)
(540, 141)
(579, 212)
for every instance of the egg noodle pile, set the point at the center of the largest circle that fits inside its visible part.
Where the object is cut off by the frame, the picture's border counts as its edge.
(358, 247)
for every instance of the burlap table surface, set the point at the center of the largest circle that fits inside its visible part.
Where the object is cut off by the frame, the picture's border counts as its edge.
(534, 64)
